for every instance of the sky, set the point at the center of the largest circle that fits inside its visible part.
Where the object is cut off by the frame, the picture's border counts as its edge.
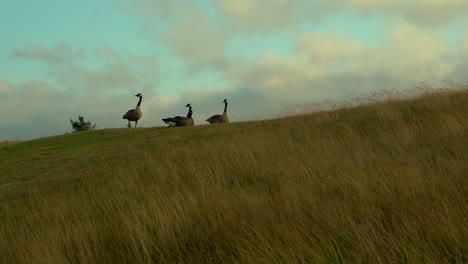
(60, 59)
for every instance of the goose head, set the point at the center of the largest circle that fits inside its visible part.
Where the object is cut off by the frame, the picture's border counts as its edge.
(188, 105)
(225, 101)
(138, 95)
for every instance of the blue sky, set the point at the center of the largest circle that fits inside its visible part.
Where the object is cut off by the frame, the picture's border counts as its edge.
(61, 59)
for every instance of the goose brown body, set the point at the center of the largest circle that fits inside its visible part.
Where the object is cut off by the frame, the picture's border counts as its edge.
(134, 114)
(181, 120)
(223, 118)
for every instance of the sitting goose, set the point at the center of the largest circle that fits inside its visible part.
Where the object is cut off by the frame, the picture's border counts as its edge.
(134, 114)
(180, 120)
(220, 118)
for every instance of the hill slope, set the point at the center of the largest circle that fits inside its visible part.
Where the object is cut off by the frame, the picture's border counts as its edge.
(382, 183)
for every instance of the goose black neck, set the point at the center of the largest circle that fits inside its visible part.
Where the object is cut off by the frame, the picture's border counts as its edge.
(139, 101)
(225, 107)
(189, 115)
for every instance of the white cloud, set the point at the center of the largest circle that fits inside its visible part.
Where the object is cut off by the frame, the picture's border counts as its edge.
(5, 88)
(421, 12)
(464, 48)
(193, 36)
(333, 65)
(61, 53)
(37, 109)
(266, 15)
(102, 94)
(321, 66)
(29, 103)
(274, 15)
(418, 53)
(185, 30)
(117, 72)
(434, 12)
(329, 48)
(151, 8)
(371, 3)
(459, 73)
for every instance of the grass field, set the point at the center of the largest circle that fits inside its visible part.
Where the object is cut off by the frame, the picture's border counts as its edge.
(378, 183)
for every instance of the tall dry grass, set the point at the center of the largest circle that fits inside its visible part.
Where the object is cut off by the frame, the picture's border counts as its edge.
(381, 183)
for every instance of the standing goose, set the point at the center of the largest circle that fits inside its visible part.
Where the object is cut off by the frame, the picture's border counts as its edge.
(180, 120)
(134, 114)
(220, 118)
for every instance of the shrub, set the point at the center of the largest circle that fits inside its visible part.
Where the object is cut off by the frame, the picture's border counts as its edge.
(81, 125)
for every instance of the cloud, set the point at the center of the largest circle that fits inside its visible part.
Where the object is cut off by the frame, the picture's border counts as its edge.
(199, 43)
(458, 74)
(202, 45)
(277, 15)
(71, 88)
(329, 48)
(464, 48)
(258, 13)
(5, 88)
(71, 69)
(68, 68)
(418, 53)
(434, 12)
(185, 30)
(420, 12)
(244, 104)
(266, 15)
(282, 14)
(334, 65)
(192, 39)
(35, 106)
(371, 4)
(150, 8)
(37, 109)
(61, 53)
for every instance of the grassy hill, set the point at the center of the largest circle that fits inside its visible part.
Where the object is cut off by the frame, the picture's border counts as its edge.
(378, 183)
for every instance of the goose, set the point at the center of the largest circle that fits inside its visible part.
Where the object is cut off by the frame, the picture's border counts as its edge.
(220, 118)
(181, 120)
(134, 114)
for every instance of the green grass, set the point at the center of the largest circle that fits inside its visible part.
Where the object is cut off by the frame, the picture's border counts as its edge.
(377, 183)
